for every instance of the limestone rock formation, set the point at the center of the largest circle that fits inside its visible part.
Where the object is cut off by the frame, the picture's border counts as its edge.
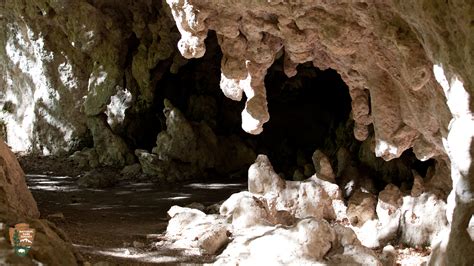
(285, 220)
(15, 194)
(61, 70)
(306, 36)
(306, 242)
(110, 148)
(361, 208)
(407, 65)
(191, 228)
(300, 199)
(183, 150)
(17, 205)
(407, 59)
(187, 149)
(323, 166)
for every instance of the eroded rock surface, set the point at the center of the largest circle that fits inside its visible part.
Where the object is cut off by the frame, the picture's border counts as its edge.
(334, 36)
(15, 194)
(408, 66)
(17, 205)
(186, 150)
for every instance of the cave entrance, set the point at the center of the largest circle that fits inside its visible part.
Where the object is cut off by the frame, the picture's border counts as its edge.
(305, 112)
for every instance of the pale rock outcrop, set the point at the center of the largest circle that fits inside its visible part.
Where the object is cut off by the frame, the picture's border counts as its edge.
(390, 201)
(263, 229)
(300, 198)
(191, 228)
(245, 210)
(415, 220)
(262, 177)
(306, 242)
(423, 219)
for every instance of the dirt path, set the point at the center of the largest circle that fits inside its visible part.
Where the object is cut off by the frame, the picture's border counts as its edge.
(113, 224)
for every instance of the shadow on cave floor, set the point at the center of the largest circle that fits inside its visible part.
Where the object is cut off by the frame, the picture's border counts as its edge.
(104, 223)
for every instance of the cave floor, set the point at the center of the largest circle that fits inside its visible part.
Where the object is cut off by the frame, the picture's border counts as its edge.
(122, 225)
(118, 225)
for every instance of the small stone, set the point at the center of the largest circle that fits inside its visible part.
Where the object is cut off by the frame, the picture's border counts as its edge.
(131, 171)
(56, 216)
(138, 244)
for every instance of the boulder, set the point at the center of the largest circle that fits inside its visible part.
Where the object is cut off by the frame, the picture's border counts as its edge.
(98, 178)
(300, 199)
(304, 243)
(50, 246)
(165, 170)
(14, 193)
(191, 228)
(262, 177)
(246, 210)
(423, 219)
(131, 171)
(361, 208)
(86, 158)
(110, 148)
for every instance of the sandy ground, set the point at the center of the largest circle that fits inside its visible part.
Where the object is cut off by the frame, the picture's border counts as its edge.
(117, 225)
(121, 225)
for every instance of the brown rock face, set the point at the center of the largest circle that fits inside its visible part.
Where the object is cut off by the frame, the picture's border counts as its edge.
(401, 60)
(407, 64)
(17, 205)
(389, 76)
(13, 187)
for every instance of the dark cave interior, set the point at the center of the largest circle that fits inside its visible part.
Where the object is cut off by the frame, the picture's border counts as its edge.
(308, 111)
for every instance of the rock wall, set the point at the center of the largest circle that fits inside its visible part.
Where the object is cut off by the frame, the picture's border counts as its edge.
(61, 69)
(407, 66)
(380, 60)
(17, 205)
